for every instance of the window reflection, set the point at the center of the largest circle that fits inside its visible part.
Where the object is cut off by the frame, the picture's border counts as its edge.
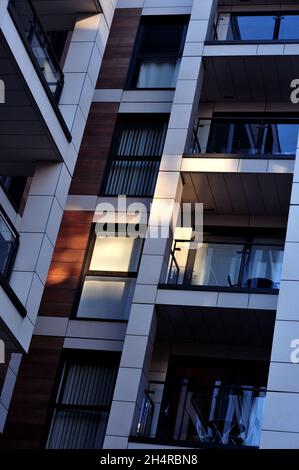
(251, 27)
(259, 27)
(289, 27)
(254, 137)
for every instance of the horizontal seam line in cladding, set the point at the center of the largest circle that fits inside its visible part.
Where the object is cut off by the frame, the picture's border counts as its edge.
(94, 339)
(278, 430)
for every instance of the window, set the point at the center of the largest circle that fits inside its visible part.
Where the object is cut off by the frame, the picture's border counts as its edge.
(14, 186)
(135, 156)
(160, 46)
(259, 27)
(109, 283)
(83, 403)
(9, 241)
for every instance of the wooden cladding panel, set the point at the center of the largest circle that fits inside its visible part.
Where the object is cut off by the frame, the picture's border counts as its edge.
(67, 261)
(119, 48)
(30, 402)
(94, 149)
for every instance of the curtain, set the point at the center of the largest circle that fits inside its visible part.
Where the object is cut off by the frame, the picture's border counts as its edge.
(158, 74)
(75, 425)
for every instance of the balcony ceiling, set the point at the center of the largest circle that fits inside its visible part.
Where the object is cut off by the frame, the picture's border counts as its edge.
(58, 15)
(24, 137)
(239, 193)
(249, 78)
(231, 327)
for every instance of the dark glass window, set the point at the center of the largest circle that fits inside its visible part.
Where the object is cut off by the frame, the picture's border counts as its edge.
(14, 186)
(9, 242)
(82, 404)
(253, 137)
(289, 27)
(157, 58)
(251, 27)
(135, 156)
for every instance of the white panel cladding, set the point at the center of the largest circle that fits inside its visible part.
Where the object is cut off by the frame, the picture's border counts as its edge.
(138, 343)
(280, 415)
(38, 227)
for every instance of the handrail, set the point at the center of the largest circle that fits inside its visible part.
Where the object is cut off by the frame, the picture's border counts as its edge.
(207, 387)
(231, 243)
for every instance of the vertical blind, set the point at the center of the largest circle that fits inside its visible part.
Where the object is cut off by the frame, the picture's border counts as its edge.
(135, 164)
(82, 406)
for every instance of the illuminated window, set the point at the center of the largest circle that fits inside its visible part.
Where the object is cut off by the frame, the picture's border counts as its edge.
(109, 282)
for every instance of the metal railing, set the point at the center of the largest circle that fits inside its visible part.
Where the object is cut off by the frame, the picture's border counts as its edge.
(224, 415)
(9, 242)
(247, 265)
(33, 33)
(246, 136)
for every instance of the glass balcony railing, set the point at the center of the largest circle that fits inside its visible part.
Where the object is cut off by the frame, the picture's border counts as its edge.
(252, 137)
(35, 37)
(9, 241)
(222, 415)
(259, 26)
(226, 264)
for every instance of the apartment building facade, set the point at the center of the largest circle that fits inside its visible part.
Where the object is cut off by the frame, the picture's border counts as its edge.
(155, 342)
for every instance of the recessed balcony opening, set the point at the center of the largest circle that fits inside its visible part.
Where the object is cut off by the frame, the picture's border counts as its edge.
(207, 395)
(244, 225)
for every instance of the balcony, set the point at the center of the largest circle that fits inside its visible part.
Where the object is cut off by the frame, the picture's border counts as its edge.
(246, 137)
(36, 40)
(194, 415)
(9, 240)
(225, 264)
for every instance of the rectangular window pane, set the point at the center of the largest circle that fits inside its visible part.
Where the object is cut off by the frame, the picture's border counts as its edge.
(78, 429)
(253, 27)
(159, 73)
(263, 267)
(215, 263)
(289, 27)
(106, 297)
(163, 38)
(116, 254)
(7, 245)
(82, 405)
